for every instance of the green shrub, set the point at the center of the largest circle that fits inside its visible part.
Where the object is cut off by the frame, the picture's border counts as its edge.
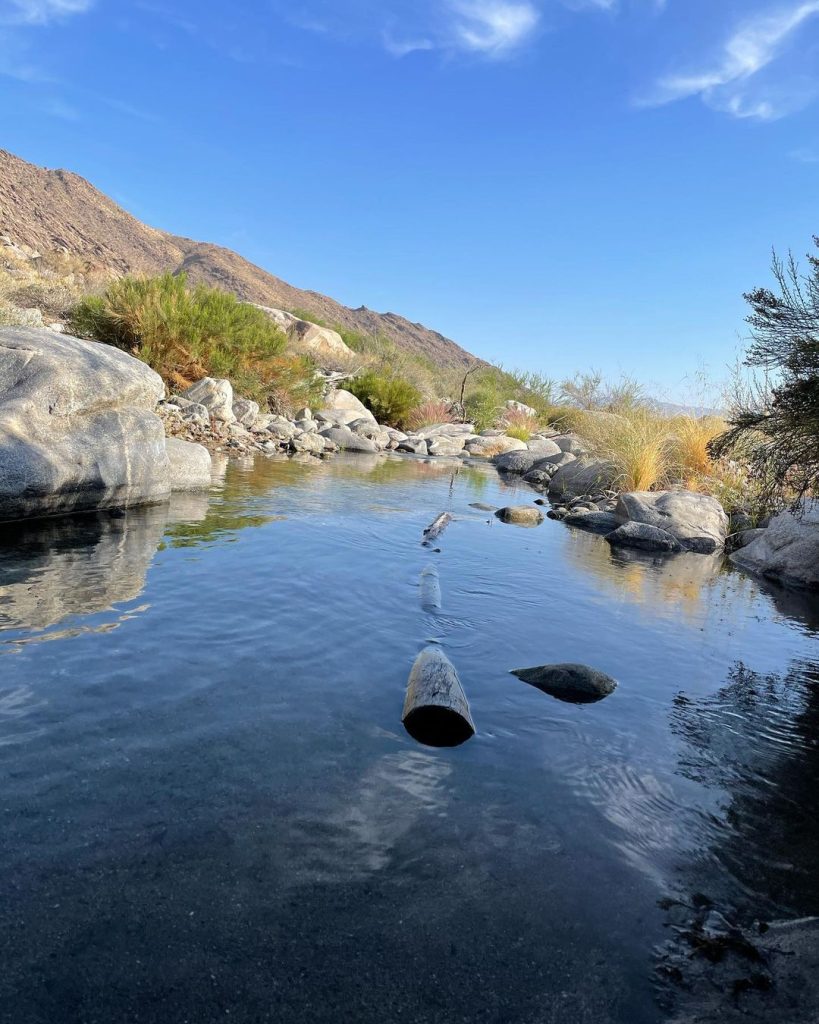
(390, 399)
(183, 333)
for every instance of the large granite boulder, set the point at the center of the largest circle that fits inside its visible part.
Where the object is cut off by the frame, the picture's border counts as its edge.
(246, 411)
(190, 465)
(585, 475)
(78, 429)
(788, 550)
(697, 521)
(307, 336)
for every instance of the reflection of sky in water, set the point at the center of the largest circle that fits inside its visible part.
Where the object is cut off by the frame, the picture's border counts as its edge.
(215, 725)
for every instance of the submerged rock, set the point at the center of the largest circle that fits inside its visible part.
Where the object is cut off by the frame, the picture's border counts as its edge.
(575, 684)
(520, 515)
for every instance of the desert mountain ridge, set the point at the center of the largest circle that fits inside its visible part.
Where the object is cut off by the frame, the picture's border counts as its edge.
(57, 210)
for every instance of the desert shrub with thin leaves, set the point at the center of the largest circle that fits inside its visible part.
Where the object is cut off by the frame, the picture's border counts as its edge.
(389, 398)
(184, 333)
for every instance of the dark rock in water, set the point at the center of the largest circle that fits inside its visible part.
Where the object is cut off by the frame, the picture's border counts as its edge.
(520, 515)
(483, 507)
(538, 477)
(643, 536)
(540, 501)
(575, 684)
(597, 521)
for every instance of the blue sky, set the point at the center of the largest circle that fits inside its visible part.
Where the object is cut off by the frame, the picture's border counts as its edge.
(556, 184)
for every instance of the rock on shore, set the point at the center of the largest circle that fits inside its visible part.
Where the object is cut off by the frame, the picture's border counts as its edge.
(77, 427)
(788, 551)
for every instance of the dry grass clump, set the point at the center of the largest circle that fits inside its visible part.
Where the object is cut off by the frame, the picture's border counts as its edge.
(519, 424)
(650, 451)
(429, 413)
(692, 436)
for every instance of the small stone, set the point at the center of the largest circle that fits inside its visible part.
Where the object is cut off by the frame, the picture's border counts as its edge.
(575, 684)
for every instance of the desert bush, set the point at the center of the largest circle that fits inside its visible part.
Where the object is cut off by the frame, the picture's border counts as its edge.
(774, 424)
(185, 334)
(389, 398)
(521, 433)
(429, 413)
(53, 297)
(591, 391)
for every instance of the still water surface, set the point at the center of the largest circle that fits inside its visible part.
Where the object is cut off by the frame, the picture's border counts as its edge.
(209, 809)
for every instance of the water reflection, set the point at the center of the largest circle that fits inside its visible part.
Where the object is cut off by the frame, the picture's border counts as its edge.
(54, 569)
(754, 745)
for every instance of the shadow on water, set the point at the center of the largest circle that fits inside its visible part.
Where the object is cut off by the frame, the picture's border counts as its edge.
(746, 922)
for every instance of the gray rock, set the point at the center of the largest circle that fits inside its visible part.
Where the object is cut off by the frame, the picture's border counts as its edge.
(788, 550)
(520, 515)
(581, 476)
(344, 401)
(597, 521)
(190, 465)
(515, 406)
(575, 684)
(77, 426)
(444, 445)
(697, 521)
(308, 441)
(348, 441)
(413, 445)
(307, 426)
(644, 537)
(494, 444)
(281, 428)
(571, 444)
(304, 414)
(517, 462)
(538, 477)
(246, 411)
(556, 461)
(216, 395)
(190, 412)
(742, 538)
(544, 447)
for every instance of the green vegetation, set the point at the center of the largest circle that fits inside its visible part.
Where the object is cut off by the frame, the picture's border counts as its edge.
(774, 424)
(390, 399)
(188, 333)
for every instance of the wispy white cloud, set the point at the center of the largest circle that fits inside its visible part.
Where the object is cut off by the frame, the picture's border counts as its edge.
(731, 81)
(489, 28)
(492, 27)
(41, 12)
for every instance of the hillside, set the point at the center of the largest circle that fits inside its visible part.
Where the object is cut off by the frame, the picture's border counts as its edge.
(56, 210)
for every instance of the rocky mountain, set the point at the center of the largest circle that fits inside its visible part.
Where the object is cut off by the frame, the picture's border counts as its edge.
(56, 210)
